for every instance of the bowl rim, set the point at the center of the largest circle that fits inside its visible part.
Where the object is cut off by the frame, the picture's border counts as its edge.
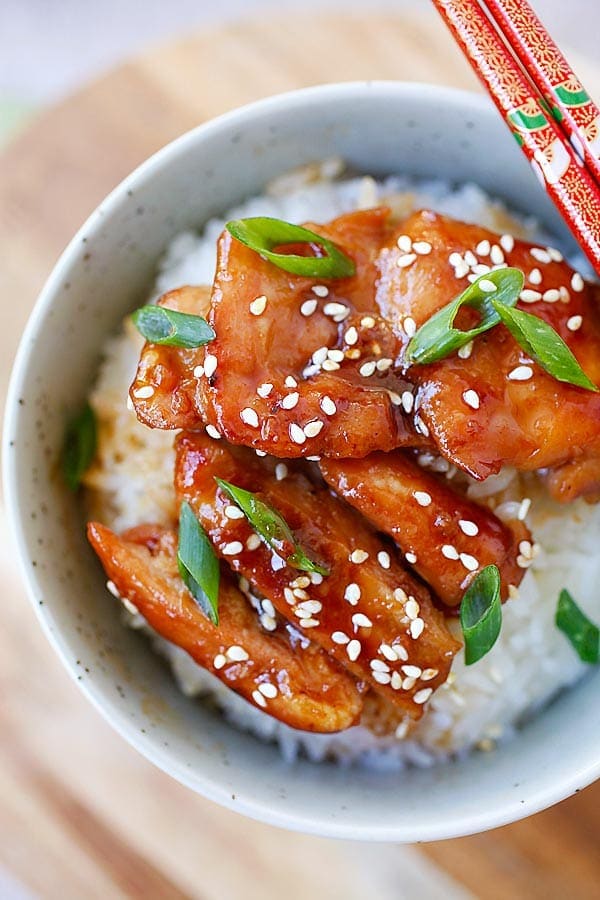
(258, 809)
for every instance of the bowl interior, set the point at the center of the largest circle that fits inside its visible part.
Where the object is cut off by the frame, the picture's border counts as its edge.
(105, 272)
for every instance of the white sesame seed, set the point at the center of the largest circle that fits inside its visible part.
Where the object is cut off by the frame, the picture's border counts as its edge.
(428, 674)
(541, 255)
(423, 248)
(496, 255)
(384, 364)
(290, 381)
(483, 248)
(143, 393)
(353, 650)
(471, 398)
(253, 542)
(316, 578)
(535, 276)
(289, 596)
(401, 653)
(320, 290)
(359, 620)
(338, 637)
(412, 608)
(367, 369)
(260, 452)
(249, 417)
(302, 581)
(210, 365)
(507, 242)
(263, 390)
(302, 613)
(461, 270)
(465, 351)
(367, 322)
(268, 690)
(551, 296)
(257, 307)
(336, 355)
(525, 547)
(312, 429)
(359, 556)
(233, 548)
(308, 307)
(233, 512)
(574, 323)
(259, 699)
(481, 269)
(408, 683)
(410, 557)
(523, 561)
(313, 606)
(112, 588)
(520, 373)
(469, 562)
(416, 628)
(389, 652)
(381, 677)
(470, 258)
(455, 259)
(400, 595)
(577, 283)
(219, 661)
(352, 593)
(404, 243)
(423, 695)
(328, 406)
(407, 259)
(236, 653)
(378, 665)
(487, 286)
(281, 471)
(330, 365)
(320, 355)
(401, 730)
(468, 527)
(335, 309)
(296, 434)
(421, 426)
(396, 681)
(351, 336)
(412, 671)
(422, 498)
(383, 558)
(410, 326)
(529, 296)
(268, 607)
(212, 432)
(290, 400)
(395, 398)
(449, 551)
(198, 371)
(408, 401)
(555, 255)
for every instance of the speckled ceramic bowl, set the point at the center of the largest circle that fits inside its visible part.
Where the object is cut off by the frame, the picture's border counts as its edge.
(106, 270)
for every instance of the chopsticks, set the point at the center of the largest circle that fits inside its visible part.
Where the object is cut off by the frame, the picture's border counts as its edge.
(512, 83)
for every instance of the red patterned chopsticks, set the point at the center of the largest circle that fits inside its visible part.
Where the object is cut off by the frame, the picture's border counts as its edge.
(519, 95)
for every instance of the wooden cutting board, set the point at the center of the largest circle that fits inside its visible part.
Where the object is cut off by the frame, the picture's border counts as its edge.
(81, 814)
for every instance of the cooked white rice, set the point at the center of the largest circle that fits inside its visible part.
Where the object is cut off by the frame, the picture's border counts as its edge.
(532, 660)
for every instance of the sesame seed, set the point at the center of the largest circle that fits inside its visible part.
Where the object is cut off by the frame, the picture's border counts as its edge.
(328, 406)
(367, 322)
(496, 255)
(310, 623)
(428, 674)
(313, 428)
(470, 258)
(401, 730)
(302, 613)
(469, 562)
(219, 661)
(338, 637)
(574, 323)
(524, 509)
(541, 255)
(423, 248)
(335, 309)
(395, 398)
(236, 653)
(465, 351)
(461, 270)
(198, 371)
(351, 336)
(468, 527)
(233, 548)
(507, 242)
(389, 652)
(422, 498)
(320, 290)
(555, 255)
(535, 276)
(210, 365)
(577, 283)
(268, 690)
(320, 355)
(483, 248)
(410, 326)
(259, 699)
(381, 677)
(408, 401)
(290, 400)
(523, 561)
(367, 369)
(455, 259)
(551, 296)
(408, 683)
(407, 259)
(143, 393)
(529, 296)
(289, 596)
(416, 628)
(412, 671)
(384, 364)
(296, 434)
(330, 365)
(359, 556)
(336, 355)
(233, 512)
(487, 286)
(263, 390)
(378, 665)
(449, 551)
(410, 557)
(253, 542)
(400, 595)
(353, 353)
(359, 620)
(412, 608)
(520, 373)
(423, 695)
(353, 650)
(260, 452)
(249, 417)
(302, 581)
(257, 307)
(316, 578)
(526, 548)
(421, 426)
(383, 558)
(481, 269)
(290, 381)
(212, 432)
(352, 593)
(112, 588)
(471, 398)
(404, 243)
(308, 307)
(313, 606)
(396, 681)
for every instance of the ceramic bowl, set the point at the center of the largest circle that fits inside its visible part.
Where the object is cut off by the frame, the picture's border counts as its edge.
(106, 270)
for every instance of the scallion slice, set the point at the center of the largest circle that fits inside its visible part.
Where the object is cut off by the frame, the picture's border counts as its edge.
(573, 622)
(481, 614)
(544, 345)
(438, 338)
(272, 527)
(263, 234)
(79, 446)
(197, 563)
(166, 326)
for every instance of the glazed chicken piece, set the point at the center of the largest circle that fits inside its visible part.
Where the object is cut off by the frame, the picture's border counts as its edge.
(167, 373)
(286, 372)
(445, 536)
(375, 619)
(497, 407)
(293, 681)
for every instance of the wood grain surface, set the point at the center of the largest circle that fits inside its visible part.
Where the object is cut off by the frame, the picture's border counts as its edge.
(81, 814)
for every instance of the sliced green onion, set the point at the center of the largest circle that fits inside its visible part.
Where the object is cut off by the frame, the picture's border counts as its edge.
(573, 622)
(272, 527)
(262, 234)
(544, 345)
(165, 326)
(79, 446)
(438, 337)
(481, 614)
(198, 564)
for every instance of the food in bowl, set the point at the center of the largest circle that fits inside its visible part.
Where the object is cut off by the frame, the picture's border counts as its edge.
(367, 491)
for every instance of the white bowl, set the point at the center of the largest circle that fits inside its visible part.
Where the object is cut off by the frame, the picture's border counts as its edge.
(106, 270)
